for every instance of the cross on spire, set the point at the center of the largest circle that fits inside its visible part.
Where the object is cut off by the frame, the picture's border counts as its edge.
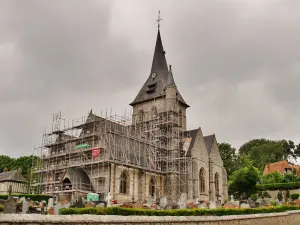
(158, 19)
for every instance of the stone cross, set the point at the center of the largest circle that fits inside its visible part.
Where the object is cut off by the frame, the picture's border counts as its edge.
(108, 199)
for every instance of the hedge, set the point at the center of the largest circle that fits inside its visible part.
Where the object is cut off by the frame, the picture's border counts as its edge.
(175, 212)
(37, 197)
(276, 186)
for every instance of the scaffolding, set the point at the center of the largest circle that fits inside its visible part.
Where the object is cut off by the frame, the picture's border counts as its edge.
(151, 142)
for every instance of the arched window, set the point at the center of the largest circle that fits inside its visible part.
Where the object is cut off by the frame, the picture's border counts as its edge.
(141, 116)
(154, 112)
(67, 185)
(124, 183)
(217, 183)
(202, 180)
(152, 187)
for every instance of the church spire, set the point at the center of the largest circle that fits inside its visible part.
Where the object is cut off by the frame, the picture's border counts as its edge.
(159, 62)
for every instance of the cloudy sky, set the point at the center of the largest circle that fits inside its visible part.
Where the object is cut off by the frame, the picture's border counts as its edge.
(236, 62)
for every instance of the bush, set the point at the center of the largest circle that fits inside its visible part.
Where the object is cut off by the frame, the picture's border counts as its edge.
(254, 197)
(279, 195)
(294, 196)
(174, 212)
(266, 194)
(32, 197)
(276, 186)
(287, 194)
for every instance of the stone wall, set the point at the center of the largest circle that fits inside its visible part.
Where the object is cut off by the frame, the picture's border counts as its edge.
(274, 193)
(286, 218)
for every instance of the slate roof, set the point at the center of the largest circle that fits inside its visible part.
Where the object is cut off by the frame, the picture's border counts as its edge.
(192, 134)
(155, 87)
(13, 175)
(209, 140)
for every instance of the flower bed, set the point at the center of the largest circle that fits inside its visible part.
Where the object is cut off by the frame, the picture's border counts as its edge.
(175, 212)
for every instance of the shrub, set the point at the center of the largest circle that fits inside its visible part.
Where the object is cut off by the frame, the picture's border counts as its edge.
(294, 196)
(279, 195)
(175, 212)
(266, 194)
(37, 197)
(287, 194)
(254, 197)
(276, 186)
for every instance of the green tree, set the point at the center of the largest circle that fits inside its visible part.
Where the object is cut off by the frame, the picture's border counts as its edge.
(243, 182)
(229, 157)
(271, 178)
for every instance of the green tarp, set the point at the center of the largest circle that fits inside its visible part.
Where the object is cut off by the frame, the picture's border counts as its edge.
(82, 146)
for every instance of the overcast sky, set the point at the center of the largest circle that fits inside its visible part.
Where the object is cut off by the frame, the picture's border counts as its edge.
(236, 63)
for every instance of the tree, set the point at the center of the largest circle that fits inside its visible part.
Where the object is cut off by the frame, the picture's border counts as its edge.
(263, 151)
(243, 182)
(229, 157)
(271, 178)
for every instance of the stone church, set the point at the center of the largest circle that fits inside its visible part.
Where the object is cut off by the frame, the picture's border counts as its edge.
(151, 157)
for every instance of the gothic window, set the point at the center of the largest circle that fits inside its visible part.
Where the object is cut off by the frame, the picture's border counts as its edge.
(217, 183)
(202, 180)
(152, 187)
(124, 183)
(154, 112)
(141, 116)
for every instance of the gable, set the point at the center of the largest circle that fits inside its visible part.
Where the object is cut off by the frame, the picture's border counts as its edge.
(214, 153)
(197, 146)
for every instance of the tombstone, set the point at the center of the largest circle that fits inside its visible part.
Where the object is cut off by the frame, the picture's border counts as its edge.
(10, 205)
(203, 206)
(251, 203)
(108, 199)
(57, 207)
(78, 204)
(229, 205)
(90, 204)
(149, 201)
(101, 205)
(163, 202)
(182, 201)
(231, 198)
(25, 207)
(245, 206)
(212, 205)
(50, 203)
(137, 205)
(265, 202)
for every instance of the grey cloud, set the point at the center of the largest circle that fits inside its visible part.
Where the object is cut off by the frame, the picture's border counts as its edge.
(235, 62)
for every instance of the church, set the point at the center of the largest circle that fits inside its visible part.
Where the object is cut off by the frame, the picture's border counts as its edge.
(143, 158)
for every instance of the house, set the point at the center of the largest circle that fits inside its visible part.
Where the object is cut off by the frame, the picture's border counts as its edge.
(13, 179)
(282, 167)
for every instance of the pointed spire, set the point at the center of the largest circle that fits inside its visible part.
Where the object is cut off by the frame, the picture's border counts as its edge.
(170, 78)
(159, 62)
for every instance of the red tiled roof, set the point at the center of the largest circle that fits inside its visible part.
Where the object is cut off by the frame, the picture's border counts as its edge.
(279, 167)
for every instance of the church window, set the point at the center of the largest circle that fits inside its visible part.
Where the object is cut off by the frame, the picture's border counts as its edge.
(152, 187)
(124, 183)
(217, 183)
(202, 180)
(141, 116)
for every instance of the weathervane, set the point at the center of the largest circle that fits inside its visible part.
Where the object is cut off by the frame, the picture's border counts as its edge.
(158, 19)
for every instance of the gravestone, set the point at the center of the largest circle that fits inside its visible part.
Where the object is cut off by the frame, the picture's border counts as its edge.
(10, 205)
(50, 203)
(212, 205)
(245, 206)
(182, 201)
(231, 198)
(25, 207)
(137, 205)
(229, 205)
(163, 202)
(108, 199)
(57, 207)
